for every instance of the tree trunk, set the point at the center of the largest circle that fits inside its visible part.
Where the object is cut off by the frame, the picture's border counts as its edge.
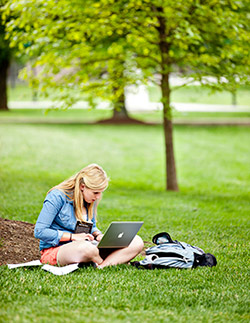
(234, 98)
(120, 111)
(171, 180)
(13, 73)
(120, 114)
(4, 64)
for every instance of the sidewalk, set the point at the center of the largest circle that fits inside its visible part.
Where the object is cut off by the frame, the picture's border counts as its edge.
(136, 105)
(137, 100)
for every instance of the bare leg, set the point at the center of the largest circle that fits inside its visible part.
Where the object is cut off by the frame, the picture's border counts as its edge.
(124, 255)
(78, 251)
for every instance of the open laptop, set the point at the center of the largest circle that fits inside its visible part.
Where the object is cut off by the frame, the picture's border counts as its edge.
(119, 234)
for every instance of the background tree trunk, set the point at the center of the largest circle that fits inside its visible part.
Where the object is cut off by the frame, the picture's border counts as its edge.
(234, 98)
(120, 111)
(171, 180)
(4, 64)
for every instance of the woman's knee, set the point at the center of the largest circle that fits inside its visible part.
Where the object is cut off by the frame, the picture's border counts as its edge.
(87, 251)
(138, 243)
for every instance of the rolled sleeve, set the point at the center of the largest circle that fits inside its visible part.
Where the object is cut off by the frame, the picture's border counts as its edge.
(51, 206)
(94, 228)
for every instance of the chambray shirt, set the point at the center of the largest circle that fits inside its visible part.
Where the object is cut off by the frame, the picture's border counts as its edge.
(57, 216)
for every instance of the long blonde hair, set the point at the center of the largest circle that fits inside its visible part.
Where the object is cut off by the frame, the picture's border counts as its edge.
(93, 177)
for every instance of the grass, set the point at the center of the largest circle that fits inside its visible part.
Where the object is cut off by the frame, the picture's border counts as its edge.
(211, 211)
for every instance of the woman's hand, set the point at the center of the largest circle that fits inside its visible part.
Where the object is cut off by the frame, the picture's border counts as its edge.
(99, 237)
(82, 236)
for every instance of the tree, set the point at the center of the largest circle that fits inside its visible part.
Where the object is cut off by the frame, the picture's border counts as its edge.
(98, 39)
(5, 56)
(73, 55)
(200, 38)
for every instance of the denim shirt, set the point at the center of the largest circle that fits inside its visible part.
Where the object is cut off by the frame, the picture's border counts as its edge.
(57, 216)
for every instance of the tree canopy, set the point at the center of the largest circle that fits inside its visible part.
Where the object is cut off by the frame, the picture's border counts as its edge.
(75, 54)
(100, 42)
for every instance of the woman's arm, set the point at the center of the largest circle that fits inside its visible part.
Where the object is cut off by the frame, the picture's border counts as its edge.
(97, 235)
(95, 231)
(51, 206)
(68, 236)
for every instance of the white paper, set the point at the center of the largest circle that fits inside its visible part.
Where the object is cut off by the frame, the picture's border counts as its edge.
(60, 270)
(53, 269)
(25, 264)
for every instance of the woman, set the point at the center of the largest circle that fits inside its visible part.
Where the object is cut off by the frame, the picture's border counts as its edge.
(73, 200)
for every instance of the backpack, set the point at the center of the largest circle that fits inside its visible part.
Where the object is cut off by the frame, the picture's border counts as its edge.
(174, 254)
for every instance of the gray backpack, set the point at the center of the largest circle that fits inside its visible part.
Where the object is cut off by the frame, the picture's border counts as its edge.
(174, 254)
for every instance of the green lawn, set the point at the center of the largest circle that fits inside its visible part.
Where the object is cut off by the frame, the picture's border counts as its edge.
(211, 210)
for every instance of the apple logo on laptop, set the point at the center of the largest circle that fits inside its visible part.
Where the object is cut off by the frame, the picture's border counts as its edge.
(120, 235)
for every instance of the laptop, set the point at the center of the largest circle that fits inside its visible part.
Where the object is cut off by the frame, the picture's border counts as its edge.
(119, 234)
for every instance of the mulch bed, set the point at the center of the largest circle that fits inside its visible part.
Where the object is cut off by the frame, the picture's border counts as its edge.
(17, 242)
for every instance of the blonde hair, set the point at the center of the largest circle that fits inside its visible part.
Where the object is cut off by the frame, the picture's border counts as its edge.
(93, 177)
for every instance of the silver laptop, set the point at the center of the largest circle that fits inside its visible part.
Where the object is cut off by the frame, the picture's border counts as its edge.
(119, 234)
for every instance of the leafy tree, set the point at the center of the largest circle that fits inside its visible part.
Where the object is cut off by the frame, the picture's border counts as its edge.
(71, 54)
(198, 38)
(104, 44)
(5, 56)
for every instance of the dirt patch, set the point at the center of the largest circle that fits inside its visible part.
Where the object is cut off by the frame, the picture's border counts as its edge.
(17, 242)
